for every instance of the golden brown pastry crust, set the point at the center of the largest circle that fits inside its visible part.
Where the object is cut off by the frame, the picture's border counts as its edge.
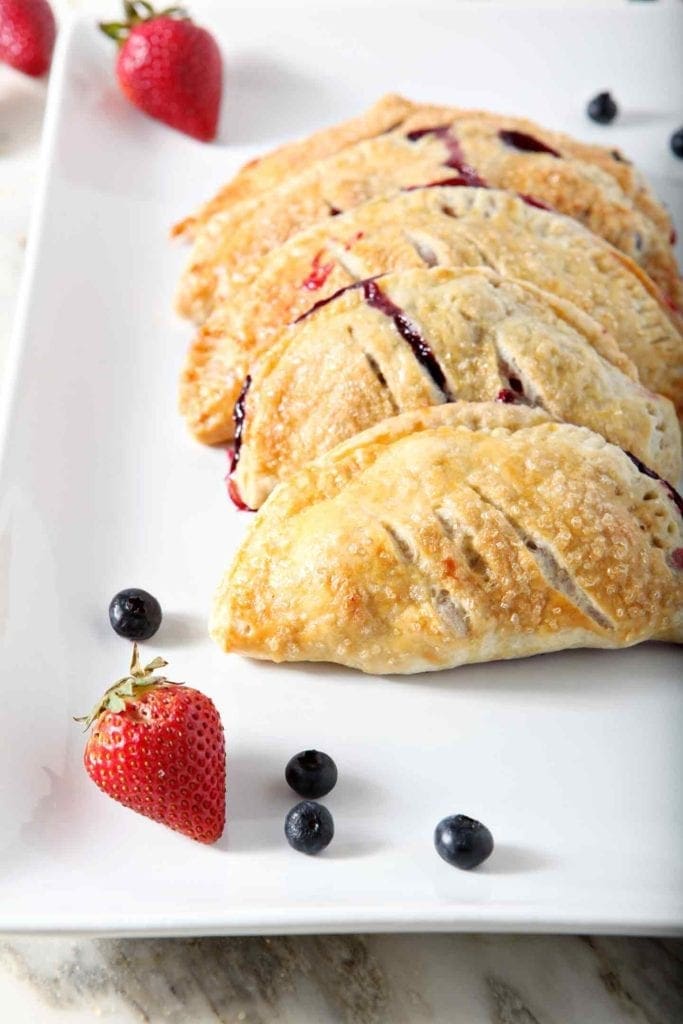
(228, 245)
(393, 112)
(446, 226)
(231, 241)
(272, 168)
(424, 337)
(456, 534)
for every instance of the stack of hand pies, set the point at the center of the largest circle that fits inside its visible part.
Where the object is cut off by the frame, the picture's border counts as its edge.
(446, 348)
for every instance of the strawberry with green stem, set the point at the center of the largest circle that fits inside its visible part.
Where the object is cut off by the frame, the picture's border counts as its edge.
(168, 67)
(158, 747)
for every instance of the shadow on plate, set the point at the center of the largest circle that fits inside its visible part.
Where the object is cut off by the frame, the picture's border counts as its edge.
(266, 99)
(641, 118)
(179, 628)
(21, 113)
(349, 850)
(589, 672)
(511, 859)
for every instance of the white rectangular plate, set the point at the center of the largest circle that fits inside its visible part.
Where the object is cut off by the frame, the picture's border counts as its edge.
(571, 759)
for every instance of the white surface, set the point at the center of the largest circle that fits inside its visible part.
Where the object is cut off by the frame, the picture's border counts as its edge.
(570, 759)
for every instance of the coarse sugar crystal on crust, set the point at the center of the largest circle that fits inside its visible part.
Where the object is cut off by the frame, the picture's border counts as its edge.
(460, 533)
(396, 113)
(590, 183)
(430, 336)
(439, 225)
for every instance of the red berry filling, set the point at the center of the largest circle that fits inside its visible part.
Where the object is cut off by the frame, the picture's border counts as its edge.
(354, 238)
(534, 201)
(506, 395)
(453, 182)
(319, 273)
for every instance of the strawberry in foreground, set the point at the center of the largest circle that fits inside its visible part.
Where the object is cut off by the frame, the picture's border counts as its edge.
(158, 747)
(168, 67)
(27, 35)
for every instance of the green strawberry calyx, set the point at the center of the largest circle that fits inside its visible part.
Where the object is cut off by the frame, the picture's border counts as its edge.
(129, 688)
(135, 12)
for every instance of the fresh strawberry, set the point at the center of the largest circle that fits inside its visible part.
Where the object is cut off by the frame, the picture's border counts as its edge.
(158, 747)
(27, 35)
(169, 67)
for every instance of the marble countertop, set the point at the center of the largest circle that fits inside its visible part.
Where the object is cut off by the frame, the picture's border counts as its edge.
(351, 979)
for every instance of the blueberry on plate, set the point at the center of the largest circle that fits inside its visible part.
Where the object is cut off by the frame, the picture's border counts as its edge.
(462, 841)
(602, 108)
(311, 774)
(309, 827)
(676, 143)
(134, 614)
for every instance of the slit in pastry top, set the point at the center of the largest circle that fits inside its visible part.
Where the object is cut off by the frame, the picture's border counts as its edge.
(441, 334)
(459, 533)
(453, 227)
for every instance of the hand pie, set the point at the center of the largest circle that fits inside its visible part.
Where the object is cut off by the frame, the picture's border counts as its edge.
(395, 113)
(442, 225)
(272, 168)
(427, 337)
(481, 150)
(460, 533)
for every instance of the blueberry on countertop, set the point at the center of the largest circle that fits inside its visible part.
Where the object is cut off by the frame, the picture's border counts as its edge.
(311, 773)
(134, 614)
(309, 827)
(602, 108)
(676, 143)
(462, 841)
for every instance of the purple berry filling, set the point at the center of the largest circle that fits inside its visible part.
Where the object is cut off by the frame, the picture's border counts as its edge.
(453, 182)
(376, 298)
(461, 182)
(238, 415)
(646, 471)
(525, 143)
(330, 298)
(456, 158)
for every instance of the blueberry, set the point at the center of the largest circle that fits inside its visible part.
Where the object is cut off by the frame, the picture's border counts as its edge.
(602, 108)
(676, 143)
(311, 773)
(309, 827)
(462, 841)
(135, 614)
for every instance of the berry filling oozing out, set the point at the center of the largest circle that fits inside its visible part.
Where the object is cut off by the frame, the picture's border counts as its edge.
(525, 143)
(319, 273)
(238, 416)
(376, 298)
(456, 158)
(646, 471)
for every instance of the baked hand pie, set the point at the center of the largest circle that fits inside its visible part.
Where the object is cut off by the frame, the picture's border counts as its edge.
(482, 149)
(427, 337)
(460, 533)
(272, 168)
(396, 113)
(448, 226)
